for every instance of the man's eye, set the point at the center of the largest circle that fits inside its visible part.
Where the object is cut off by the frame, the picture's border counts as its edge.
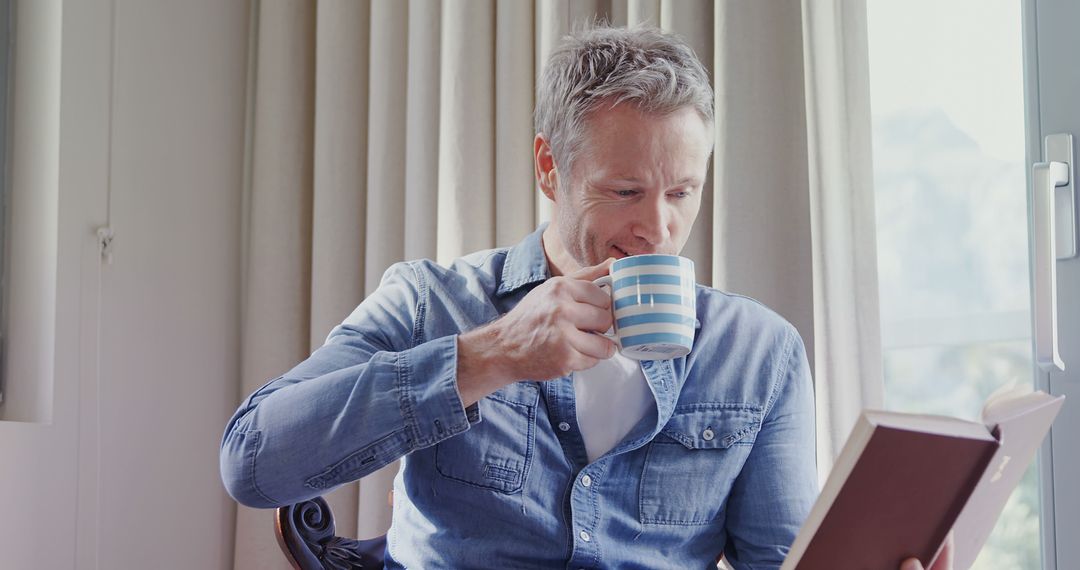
(625, 193)
(680, 194)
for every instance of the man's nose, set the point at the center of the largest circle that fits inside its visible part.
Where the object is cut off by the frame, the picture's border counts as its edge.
(652, 221)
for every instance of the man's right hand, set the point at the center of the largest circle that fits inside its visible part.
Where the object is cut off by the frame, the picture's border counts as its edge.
(549, 334)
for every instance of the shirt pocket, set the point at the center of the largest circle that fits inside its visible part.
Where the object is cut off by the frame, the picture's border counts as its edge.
(496, 452)
(692, 463)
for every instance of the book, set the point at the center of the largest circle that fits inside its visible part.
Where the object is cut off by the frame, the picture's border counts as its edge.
(903, 481)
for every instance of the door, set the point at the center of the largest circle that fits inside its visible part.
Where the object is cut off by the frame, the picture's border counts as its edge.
(963, 94)
(1053, 82)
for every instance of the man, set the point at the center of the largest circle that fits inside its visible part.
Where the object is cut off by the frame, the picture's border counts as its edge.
(526, 440)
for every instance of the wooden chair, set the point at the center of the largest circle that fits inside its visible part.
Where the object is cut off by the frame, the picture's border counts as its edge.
(305, 532)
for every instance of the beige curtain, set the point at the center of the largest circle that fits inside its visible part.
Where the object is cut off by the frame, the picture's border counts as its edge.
(794, 221)
(847, 328)
(389, 130)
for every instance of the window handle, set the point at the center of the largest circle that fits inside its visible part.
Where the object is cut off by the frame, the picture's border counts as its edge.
(1054, 237)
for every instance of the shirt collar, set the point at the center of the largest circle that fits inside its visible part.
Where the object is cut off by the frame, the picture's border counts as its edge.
(525, 263)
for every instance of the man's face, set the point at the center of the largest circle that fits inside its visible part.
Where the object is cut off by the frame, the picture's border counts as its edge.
(635, 187)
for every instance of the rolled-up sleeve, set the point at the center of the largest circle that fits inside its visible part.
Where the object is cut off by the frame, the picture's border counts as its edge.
(371, 394)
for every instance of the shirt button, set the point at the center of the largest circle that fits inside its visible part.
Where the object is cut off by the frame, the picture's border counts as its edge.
(707, 435)
(586, 480)
(584, 536)
(564, 426)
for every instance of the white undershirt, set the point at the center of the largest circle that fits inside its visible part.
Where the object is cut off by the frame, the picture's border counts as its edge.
(611, 398)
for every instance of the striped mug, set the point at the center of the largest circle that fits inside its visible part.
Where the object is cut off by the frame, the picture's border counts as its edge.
(653, 304)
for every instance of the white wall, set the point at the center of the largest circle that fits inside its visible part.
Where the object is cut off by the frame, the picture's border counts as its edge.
(120, 470)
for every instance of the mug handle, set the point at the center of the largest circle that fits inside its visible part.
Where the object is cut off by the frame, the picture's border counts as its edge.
(605, 281)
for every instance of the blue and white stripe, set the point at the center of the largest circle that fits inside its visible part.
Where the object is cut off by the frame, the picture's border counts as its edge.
(654, 297)
(652, 259)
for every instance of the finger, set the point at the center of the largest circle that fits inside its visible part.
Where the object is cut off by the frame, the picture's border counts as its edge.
(593, 345)
(911, 564)
(944, 559)
(589, 292)
(588, 317)
(581, 362)
(593, 272)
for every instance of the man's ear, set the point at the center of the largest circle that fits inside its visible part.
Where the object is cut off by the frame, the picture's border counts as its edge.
(547, 174)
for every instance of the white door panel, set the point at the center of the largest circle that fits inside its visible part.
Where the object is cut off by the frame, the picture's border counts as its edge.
(1053, 43)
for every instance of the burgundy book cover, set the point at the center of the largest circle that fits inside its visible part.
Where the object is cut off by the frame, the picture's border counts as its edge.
(899, 500)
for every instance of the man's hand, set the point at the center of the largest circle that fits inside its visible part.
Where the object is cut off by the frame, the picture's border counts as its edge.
(944, 560)
(549, 334)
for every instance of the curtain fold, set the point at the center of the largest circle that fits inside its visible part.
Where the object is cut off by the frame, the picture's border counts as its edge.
(847, 328)
(385, 130)
(644, 12)
(422, 128)
(515, 201)
(466, 130)
(339, 205)
(277, 260)
(761, 222)
(386, 138)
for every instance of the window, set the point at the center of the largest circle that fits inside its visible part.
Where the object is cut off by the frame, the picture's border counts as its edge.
(950, 186)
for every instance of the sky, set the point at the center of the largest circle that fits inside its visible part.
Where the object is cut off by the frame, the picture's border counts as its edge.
(962, 56)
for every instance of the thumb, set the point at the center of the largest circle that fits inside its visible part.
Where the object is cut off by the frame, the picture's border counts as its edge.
(593, 272)
(911, 564)
(944, 559)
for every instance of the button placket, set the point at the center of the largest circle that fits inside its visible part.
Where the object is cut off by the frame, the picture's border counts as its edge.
(585, 517)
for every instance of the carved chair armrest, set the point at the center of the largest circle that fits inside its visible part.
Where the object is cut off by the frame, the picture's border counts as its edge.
(305, 532)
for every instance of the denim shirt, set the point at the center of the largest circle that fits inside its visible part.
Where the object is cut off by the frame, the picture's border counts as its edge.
(724, 464)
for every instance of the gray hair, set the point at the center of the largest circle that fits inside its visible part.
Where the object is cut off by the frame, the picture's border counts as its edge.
(654, 71)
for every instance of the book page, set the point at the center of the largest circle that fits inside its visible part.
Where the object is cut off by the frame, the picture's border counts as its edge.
(928, 423)
(1009, 401)
(1021, 419)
